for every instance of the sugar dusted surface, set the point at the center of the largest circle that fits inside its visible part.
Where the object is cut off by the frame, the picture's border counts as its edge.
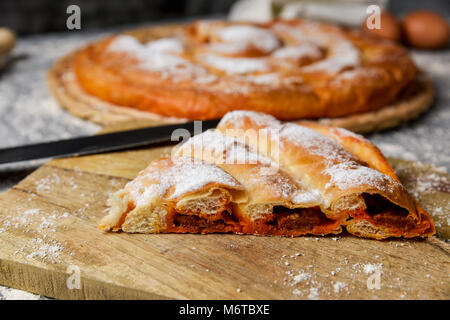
(358, 73)
(225, 149)
(263, 39)
(271, 79)
(347, 175)
(298, 52)
(228, 48)
(217, 148)
(236, 119)
(314, 142)
(343, 55)
(226, 52)
(301, 35)
(306, 197)
(341, 166)
(131, 44)
(185, 176)
(161, 56)
(234, 65)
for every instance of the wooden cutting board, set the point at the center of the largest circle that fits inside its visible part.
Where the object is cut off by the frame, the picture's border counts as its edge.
(48, 222)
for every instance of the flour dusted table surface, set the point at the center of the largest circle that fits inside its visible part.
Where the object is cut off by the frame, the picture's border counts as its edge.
(29, 114)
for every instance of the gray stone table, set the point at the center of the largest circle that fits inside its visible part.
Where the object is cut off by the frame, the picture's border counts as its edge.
(29, 114)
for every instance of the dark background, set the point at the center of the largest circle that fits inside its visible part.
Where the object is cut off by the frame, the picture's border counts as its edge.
(38, 16)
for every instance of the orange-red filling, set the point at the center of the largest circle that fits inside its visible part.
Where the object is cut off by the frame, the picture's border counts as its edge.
(294, 222)
(282, 221)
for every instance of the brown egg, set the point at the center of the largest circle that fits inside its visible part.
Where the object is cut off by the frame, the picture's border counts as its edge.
(389, 27)
(7, 40)
(426, 29)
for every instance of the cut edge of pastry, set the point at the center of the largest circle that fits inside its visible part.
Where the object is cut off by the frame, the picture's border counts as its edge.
(218, 214)
(240, 201)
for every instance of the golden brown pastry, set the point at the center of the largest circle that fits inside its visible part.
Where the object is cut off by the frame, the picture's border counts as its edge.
(257, 175)
(290, 69)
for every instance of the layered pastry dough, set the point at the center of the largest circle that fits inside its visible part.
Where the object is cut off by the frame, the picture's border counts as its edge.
(289, 69)
(256, 175)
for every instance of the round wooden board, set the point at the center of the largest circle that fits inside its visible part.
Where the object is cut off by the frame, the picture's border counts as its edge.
(415, 99)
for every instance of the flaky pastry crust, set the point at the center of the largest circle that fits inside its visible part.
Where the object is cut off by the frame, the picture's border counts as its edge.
(289, 69)
(256, 175)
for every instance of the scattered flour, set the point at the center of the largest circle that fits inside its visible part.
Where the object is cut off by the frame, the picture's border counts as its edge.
(302, 276)
(45, 250)
(263, 39)
(338, 286)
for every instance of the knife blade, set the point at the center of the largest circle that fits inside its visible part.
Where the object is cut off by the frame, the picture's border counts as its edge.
(104, 142)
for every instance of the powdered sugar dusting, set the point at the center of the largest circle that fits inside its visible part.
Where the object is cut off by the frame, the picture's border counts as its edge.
(338, 286)
(45, 184)
(315, 143)
(234, 65)
(370, 268)
(228, 48)
(45, 250)
(131, 44)
(262, 79)
(301, 35)
(227, 151)
(185, 175)
(237, 119)
(297, 52)
(306, 197)
(344, 55)
(360, 73)
(346, 175)
(260, 38)
(270, 80)
(341, 166)
(15, 294)
(223, 149)
(300, 277)
(168, 45)
(161, 56)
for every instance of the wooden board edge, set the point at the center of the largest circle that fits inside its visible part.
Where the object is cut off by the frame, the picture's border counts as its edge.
(53, 284)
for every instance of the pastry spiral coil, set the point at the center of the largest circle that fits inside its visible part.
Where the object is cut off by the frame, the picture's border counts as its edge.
(289, 69)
